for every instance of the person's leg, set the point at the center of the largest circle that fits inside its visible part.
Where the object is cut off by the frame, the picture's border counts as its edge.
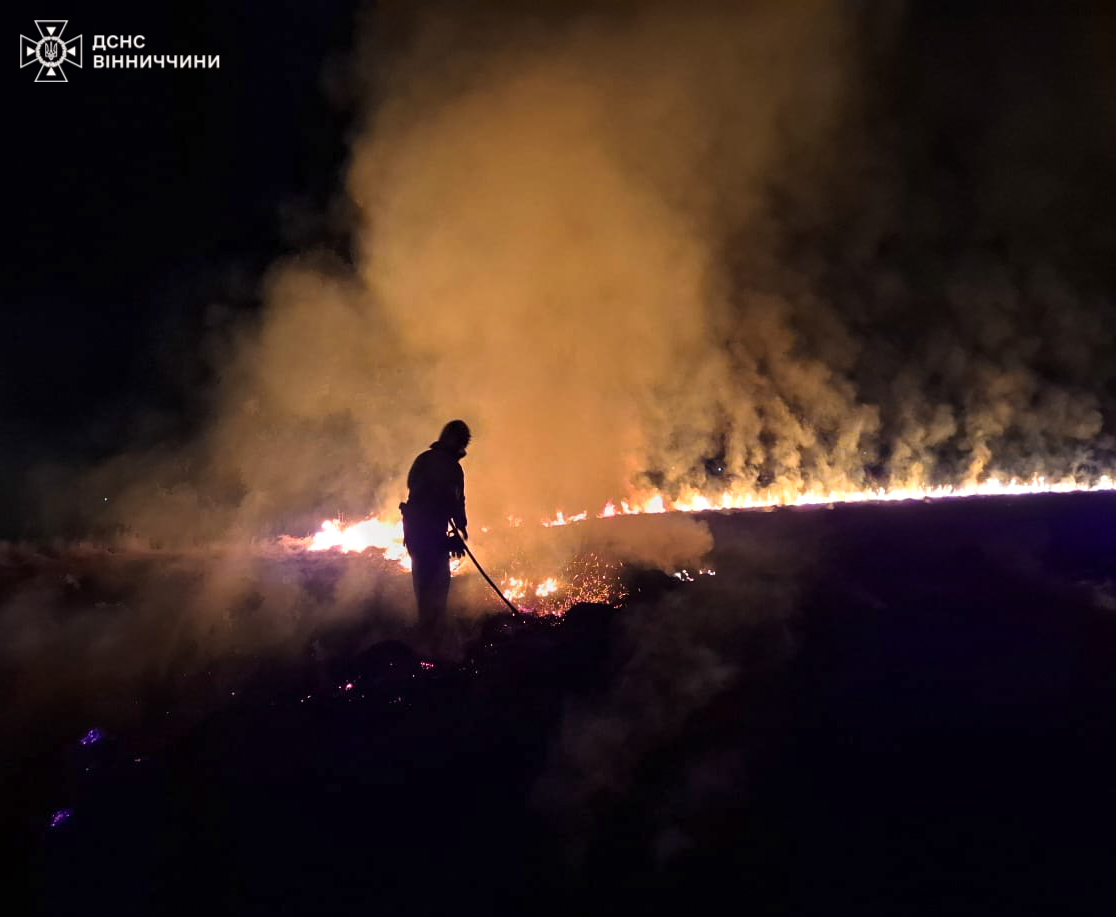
(416, 577)
(431, 576)
(440, 589)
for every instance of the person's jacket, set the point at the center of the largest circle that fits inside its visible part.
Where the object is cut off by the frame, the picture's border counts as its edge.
(437, 495)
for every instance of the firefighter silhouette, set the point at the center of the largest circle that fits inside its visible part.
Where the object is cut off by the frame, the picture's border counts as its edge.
(436, 499)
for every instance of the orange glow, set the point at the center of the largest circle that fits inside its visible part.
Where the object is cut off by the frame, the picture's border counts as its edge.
(373, 532)
(385, 535)
(514, 588)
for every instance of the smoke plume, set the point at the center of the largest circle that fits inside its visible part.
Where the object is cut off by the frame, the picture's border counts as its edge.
(641, 247)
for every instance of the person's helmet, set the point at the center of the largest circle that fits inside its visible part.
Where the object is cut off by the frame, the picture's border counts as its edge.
(456, 435)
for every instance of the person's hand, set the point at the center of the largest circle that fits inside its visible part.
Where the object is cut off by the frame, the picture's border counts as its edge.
(457, 546)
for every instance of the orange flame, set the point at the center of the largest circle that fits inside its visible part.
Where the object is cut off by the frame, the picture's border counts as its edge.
(386, 534)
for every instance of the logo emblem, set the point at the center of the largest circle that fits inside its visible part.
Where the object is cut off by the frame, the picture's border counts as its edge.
(50, 51)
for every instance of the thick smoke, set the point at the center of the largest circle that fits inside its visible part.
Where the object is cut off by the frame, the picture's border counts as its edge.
(775, 247)
(543, 210)
(636, 243)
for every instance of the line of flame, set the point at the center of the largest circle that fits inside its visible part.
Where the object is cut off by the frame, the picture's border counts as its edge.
(385, 534)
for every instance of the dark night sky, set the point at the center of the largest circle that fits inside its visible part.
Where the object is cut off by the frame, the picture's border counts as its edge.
(139, 197)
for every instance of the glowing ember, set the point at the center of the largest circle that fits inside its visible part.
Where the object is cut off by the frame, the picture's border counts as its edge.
(514, 588)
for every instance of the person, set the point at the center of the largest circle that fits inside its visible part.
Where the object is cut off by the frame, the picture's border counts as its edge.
(436, 497)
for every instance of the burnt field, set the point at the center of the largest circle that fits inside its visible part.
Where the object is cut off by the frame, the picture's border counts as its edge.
(893, 709)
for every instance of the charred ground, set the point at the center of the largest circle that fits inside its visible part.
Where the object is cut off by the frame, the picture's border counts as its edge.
(878, 709)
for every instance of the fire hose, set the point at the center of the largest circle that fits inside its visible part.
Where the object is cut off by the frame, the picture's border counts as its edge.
(480, 570)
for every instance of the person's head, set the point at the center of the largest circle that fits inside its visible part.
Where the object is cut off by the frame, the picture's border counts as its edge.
(455, 436)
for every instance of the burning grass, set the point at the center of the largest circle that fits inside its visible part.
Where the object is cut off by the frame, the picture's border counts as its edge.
(589, 577)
